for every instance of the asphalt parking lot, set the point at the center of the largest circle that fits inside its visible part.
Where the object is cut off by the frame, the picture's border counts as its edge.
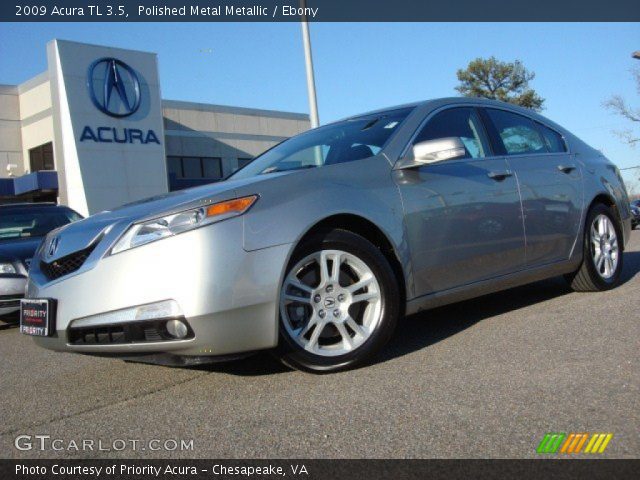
(484, 378)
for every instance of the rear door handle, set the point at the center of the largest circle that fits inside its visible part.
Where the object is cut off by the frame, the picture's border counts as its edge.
(499, 176)
(566, 168)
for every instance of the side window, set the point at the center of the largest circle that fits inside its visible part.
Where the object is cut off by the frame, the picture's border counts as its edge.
(552, 139)
(457, 122)
(518, 133)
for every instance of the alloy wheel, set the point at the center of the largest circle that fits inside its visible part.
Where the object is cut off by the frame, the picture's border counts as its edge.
(604, 246)
(331, 303)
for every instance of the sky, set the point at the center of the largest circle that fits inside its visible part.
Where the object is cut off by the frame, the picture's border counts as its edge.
(365, 66)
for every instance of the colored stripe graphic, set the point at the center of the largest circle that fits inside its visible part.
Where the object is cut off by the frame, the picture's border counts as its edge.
(570, 439)
(606, 442)
(572, 443)
(543, 444)
(581, 443)
(551, 442)
(598, 442)
(594, 437)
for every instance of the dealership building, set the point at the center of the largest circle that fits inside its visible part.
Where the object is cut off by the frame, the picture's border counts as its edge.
(93, 132)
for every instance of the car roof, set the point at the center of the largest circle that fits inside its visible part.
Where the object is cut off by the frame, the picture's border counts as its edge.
(382, 111)
(443, 101)
(486, 102)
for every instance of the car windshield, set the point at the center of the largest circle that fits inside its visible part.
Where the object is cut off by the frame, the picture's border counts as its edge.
(345, 141)
(30, 222)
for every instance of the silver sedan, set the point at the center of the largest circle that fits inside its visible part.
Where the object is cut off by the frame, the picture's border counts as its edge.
(317, 247)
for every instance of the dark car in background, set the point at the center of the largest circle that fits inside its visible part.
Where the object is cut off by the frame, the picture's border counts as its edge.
(635, 213)
(22, 227)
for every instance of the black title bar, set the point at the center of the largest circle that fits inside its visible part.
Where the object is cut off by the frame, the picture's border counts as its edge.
(103, 469)
(319, 11)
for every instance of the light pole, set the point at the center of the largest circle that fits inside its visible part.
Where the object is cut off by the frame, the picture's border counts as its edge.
(308, 60)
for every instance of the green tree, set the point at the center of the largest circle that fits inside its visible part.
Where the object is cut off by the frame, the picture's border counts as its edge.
(497, 80)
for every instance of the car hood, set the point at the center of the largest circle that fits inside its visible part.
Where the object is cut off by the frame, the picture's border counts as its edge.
(20, 249)
(78, 235)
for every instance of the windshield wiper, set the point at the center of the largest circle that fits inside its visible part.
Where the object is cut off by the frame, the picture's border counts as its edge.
(276, 169)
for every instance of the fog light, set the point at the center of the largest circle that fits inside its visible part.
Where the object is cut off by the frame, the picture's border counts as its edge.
(150, 311)
(176, 329)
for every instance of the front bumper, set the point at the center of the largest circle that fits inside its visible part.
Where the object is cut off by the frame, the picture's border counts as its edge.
(227, 295)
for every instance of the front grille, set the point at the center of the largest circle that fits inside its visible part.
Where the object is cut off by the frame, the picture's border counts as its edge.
(65, 265)
(133, 332)
(10, 301)
(97, 335)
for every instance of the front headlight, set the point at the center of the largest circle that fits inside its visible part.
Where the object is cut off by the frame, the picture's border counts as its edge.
(7, 268)
(175, 223)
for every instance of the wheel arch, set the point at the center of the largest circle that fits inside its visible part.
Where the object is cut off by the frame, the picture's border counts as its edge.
(605, 198)
(367, 229)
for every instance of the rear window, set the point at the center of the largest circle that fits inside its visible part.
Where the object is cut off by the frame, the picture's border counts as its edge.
(518, 133)
(552, 139)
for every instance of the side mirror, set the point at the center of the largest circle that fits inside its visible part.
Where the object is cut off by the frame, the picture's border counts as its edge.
(432, 151)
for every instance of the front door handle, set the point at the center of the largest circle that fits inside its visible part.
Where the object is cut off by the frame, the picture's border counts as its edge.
(499, 176)
(566, 168)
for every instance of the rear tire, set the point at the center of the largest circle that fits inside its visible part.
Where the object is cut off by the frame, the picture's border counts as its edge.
(336, 319)
(602, 252)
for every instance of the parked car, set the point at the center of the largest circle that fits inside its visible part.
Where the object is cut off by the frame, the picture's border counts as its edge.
(22, 228)
(635, 214)
(319, 245)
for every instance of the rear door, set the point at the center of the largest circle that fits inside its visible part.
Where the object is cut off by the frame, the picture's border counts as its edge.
(549, 179)
(462, 216)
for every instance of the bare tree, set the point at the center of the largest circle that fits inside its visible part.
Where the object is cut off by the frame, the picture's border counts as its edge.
(633, 188)
(619, 105)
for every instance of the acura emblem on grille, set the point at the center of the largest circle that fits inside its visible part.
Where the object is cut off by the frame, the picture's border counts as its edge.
(53, 246)
(65, 265)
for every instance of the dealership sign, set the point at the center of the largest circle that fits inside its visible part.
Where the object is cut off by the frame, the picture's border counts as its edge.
(119, 78)
(114, 89)
(108, 125)
(118, 135)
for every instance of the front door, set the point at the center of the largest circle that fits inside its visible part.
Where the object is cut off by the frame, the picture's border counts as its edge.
(462, 216)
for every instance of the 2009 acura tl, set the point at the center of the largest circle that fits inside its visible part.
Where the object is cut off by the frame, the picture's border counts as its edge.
(319, 245)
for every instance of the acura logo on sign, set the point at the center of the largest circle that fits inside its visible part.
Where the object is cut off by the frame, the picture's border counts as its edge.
(53, 246)
(114, 87)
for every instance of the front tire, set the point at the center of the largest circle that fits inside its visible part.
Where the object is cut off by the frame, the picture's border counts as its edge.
(339, 303)
(602, 256)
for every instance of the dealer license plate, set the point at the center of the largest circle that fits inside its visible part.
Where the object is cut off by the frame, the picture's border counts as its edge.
(36, 316)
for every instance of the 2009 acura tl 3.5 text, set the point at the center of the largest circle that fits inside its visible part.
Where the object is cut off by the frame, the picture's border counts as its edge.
(318, 246)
